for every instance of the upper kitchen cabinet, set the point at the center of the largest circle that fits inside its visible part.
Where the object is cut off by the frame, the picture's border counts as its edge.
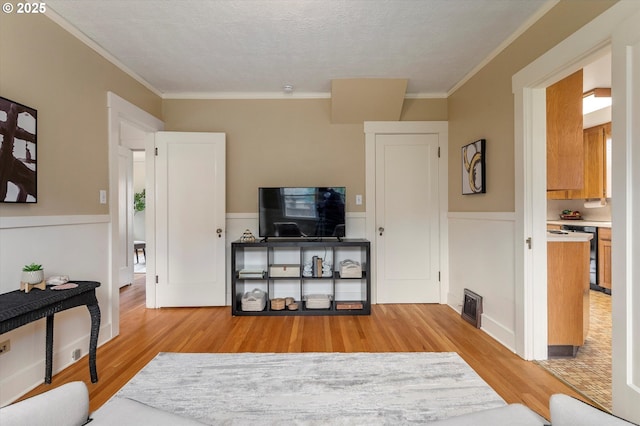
(565, 152)
(597, 160)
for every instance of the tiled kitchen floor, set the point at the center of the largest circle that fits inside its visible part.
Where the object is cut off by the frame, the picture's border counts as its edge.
(590, 371)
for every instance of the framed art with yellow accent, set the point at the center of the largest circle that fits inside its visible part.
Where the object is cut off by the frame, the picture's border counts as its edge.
(473, 168)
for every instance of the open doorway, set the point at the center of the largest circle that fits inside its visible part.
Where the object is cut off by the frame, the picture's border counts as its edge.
(130, 128)
(139, 211)
(618, 27)
(587, 211)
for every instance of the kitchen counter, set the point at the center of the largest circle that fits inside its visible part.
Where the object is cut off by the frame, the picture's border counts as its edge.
(567, 292)
(575, 237)
(580, 222)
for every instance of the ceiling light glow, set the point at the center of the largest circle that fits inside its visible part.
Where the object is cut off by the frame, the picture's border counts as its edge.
(595, 100)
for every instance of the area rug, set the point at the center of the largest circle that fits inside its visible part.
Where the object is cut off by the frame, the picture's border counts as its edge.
(312, 388)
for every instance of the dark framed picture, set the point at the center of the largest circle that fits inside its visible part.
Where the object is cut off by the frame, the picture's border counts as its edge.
(473, 168)
(472, 308)
(18, 136)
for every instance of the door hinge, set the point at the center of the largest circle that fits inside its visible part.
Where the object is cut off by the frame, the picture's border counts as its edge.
(528, 241)
(438, 152)
(438, 276)
(156, 279)
(156, 151)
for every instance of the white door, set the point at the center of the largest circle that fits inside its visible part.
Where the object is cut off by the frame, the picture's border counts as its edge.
(626, 209)
(190, 218)
(125, 216)
(407, 218)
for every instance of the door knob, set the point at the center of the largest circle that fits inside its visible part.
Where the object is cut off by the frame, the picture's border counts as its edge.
(381, 230)
(219, 232)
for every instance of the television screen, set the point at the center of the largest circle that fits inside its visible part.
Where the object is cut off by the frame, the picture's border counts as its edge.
(309, 212)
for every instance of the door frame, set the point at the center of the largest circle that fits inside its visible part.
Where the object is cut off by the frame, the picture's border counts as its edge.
(120, 111)
(528, 88)
(125, 158)
(441, 128)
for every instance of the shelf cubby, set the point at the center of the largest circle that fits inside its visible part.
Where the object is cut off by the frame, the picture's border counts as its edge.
(349, 296)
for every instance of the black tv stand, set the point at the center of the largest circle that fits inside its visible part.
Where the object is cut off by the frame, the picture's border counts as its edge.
(258, 265)
(306, 239)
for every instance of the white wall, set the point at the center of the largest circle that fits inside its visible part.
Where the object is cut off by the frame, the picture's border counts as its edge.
(76, 246)
(481, 258)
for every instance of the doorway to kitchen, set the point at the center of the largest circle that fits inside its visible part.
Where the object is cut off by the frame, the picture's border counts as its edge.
(590, 371)
(619, 28)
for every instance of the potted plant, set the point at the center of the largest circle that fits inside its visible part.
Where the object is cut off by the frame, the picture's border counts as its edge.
(139, 201)
(32, 274)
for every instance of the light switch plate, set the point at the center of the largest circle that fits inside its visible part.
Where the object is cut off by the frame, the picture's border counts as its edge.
(103, 196)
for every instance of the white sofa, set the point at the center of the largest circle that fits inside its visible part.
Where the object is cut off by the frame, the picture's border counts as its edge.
(68, 405)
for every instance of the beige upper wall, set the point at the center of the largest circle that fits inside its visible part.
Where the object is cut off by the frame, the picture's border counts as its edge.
(483, 107)
(270, 142)
(45, 67)
(287, 142)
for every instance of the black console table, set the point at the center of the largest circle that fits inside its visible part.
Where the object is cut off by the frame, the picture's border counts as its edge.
(18, 308)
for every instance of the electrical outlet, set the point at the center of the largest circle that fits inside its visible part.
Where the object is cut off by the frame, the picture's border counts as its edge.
(5, 346)
(76, 354)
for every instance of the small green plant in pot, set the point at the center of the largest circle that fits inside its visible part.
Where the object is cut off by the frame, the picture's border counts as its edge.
(139, 201)
(32, 274)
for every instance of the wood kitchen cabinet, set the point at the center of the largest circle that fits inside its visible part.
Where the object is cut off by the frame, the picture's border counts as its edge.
(567, 296)
(595, 163)
(565, 148)
(604, 257)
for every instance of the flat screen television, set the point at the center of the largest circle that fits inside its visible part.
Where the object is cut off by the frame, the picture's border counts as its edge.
(302, 212)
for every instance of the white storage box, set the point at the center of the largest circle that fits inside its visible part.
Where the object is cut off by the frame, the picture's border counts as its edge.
(318, 301)
(284, 271)
(254, 300)
(350, 269)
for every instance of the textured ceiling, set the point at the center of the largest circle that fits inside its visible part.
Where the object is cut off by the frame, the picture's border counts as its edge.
(258, 46)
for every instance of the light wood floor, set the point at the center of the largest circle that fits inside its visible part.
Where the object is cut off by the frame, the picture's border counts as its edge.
(390, 328)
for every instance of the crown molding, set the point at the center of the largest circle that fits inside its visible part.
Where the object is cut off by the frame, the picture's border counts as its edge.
(51, 14)
(245, 95)
(517, 33)
(425, 96)
(276, 95)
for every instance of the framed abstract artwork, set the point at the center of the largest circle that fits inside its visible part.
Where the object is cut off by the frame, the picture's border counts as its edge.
(473, 168)
(18, 137)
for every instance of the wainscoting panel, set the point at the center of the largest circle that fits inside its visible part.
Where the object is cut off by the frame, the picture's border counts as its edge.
(76, 246)
(481, 258)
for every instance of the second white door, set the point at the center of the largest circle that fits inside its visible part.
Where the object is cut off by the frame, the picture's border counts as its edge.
(407, 218)
(190, 217)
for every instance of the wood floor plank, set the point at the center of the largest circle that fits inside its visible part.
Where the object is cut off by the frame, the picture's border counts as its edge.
(390, 328)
